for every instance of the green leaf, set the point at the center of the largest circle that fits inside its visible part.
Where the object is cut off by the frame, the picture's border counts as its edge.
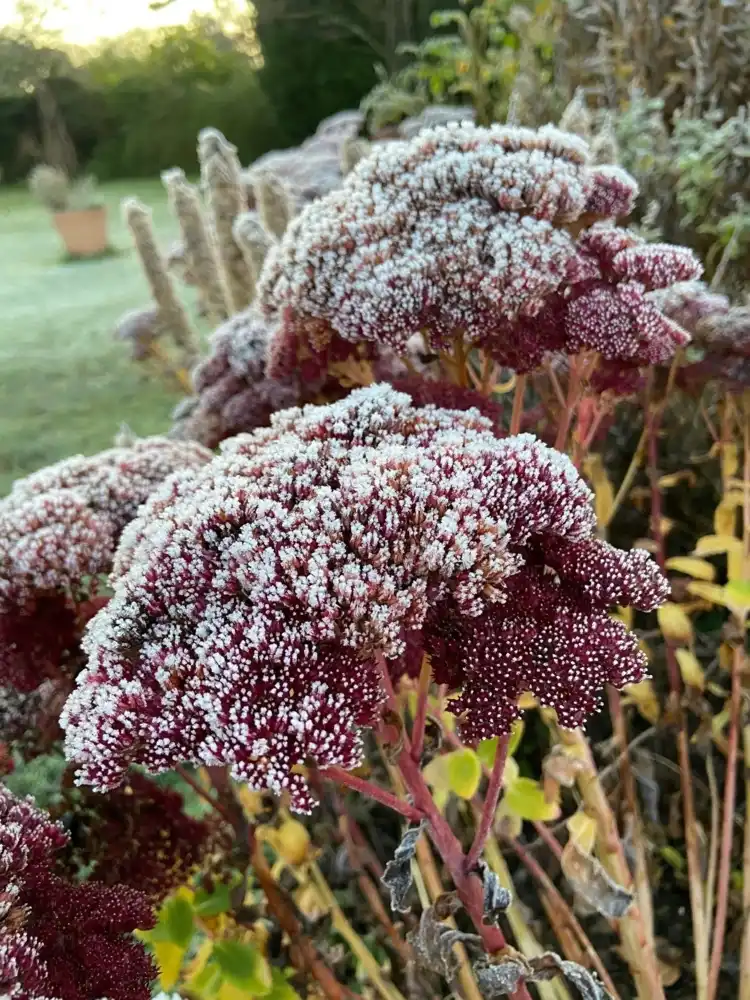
(176, 918)
(738, 594)
(208, 981)
(281, 990)
(488, 748)
(243, 966)
(525, 798)
(211, 904)
(464, 772)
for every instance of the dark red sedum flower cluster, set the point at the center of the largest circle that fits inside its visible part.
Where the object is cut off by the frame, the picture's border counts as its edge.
(58, 531)
(58, 940)
(138, 835)
(255, 599)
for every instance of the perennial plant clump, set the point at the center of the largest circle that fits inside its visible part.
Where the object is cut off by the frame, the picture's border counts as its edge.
(256, 598)
(59, 939)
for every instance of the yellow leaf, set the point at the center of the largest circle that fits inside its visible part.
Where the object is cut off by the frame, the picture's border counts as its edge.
(698, 568)
(527, 701)
(711, 592)
(674, 623)
(725, 518)
(582, 829)
(714, 545)
(643, 696)
(292, 841)
(169, 957)
(677, 477)
(690, 668)
(604, 494)
(730, 461)
(525, 797)
(625, 615)
(464, 772)
(666, 524)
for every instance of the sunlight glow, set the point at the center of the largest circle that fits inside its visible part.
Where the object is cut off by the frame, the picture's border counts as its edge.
(82, 22)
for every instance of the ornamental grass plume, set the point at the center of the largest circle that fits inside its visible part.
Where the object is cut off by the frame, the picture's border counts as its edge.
(221, 177)
(172, 313)
(273, 202)
(199, 244)
(59, 528)
(480, 235)
(254, 241)
(59, 939)
(254, 601)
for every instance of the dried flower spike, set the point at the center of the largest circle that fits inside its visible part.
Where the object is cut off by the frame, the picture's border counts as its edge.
(172, 313)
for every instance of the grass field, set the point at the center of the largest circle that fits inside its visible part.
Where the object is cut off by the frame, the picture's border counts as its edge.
(65, 385)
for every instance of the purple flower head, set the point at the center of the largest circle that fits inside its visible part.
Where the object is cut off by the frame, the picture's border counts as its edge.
(254, 599)
(234, 393)
(138, 835)
(471, 232)
(58, 530)
(59, 940)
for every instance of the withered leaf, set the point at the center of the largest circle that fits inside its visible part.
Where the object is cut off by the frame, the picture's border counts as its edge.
(398, 875)
(502, 978)
(497, 898)
(548, 965)
(433, 943)
(589, 879)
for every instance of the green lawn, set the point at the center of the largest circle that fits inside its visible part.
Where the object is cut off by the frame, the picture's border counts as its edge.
(65, 385)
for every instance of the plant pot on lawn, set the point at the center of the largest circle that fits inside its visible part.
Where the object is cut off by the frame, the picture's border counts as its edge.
(78, 215)
(83, 231)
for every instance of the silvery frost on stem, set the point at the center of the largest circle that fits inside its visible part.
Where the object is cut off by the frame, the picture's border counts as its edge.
(59, 528)
(501, 236)
(256, 599)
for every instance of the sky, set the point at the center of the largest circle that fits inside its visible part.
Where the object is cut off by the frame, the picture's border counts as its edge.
(84, 21)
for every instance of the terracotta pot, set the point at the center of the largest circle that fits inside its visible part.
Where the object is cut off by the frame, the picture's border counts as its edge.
(84, 232)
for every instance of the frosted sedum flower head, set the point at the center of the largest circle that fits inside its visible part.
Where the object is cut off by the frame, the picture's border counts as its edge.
(233, 392)
(477, 233)
(255, 600)
(58, 528)
(60, 940)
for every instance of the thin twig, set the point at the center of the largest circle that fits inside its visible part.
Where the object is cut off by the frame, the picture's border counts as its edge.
(371, 791)
(518, 398)
(420, 716)
(570, 918)
(490, 803)
(725, 861)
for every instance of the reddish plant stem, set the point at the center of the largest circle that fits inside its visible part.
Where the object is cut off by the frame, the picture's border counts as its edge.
(692, 849)
(371, 791)
(725, 860)
(490, 804)
(203, 793)
(574, 380)
(468, 885)
(518, 398)
(420, 716)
